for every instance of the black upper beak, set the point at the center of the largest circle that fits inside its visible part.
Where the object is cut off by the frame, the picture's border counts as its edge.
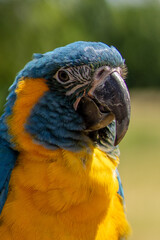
(113, 94)
(110, 99)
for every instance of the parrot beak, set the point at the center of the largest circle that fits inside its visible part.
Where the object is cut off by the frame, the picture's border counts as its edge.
(107, 101)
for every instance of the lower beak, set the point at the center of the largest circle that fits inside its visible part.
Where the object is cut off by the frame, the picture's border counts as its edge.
(110, 99)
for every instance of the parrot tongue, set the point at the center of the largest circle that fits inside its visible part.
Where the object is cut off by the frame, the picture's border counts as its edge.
(92, 115)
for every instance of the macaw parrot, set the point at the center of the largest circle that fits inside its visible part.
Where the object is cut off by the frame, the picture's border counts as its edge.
(65, 114)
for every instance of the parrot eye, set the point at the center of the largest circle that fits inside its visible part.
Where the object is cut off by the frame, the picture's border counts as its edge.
(63, 76)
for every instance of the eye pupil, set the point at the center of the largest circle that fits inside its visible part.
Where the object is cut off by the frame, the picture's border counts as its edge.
(63, 76)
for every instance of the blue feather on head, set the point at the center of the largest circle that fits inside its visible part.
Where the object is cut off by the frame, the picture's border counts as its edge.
(75, 54)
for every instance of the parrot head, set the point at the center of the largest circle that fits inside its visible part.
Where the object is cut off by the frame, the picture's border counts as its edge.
(85, 97)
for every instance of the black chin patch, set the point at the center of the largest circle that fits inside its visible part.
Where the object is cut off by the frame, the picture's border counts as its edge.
(94, 119)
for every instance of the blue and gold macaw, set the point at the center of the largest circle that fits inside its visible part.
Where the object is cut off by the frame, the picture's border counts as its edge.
(65, 114)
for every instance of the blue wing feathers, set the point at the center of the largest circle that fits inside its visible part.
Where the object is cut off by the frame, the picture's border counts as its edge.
(7, 162)
(120, 190)
(4, 192)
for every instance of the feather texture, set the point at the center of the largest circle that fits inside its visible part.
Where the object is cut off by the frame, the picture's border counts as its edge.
(7, 162)
(61, 197)
(63, 180)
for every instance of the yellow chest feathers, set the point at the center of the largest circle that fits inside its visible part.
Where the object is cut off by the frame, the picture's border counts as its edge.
(68, 196)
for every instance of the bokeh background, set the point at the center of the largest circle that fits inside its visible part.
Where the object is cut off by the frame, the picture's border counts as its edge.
(133, 27)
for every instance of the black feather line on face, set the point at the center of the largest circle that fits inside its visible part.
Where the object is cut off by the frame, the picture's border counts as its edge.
(79, 80)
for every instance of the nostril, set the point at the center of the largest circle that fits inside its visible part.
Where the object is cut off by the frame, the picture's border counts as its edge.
(100, 73)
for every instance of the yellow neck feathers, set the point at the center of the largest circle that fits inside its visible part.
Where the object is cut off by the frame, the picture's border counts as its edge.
(69, 196)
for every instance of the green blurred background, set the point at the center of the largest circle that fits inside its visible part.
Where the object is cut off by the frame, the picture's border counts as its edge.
(133, 27)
